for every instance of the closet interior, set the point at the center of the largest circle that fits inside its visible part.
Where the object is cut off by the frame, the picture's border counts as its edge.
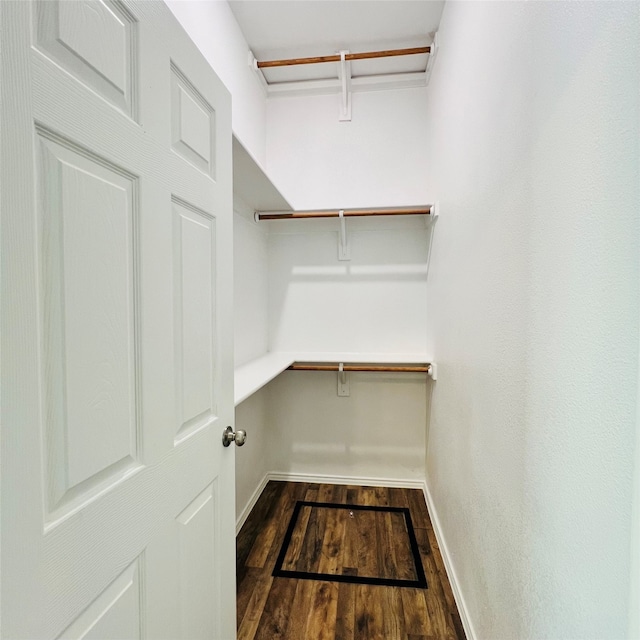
(515, 446)
(333, 368)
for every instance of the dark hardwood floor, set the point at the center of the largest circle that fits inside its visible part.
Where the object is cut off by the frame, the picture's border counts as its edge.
(365, 544)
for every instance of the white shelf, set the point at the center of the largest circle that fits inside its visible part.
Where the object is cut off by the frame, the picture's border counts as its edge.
(256, 374)
(361, 358)
(252, 184)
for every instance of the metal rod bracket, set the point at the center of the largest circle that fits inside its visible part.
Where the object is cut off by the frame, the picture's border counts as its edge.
(432, 371)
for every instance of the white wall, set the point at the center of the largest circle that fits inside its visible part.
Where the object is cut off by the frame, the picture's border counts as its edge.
(533, 298)
(377, 159)
(250, 314)
(634, 591)
(253, 460)
(375, 302)
(251, 285)
(213, 28)
(377, 432)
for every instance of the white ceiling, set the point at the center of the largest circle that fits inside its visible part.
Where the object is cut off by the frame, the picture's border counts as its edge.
(277, 29)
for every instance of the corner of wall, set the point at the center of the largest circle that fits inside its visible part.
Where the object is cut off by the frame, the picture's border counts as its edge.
(458, 595)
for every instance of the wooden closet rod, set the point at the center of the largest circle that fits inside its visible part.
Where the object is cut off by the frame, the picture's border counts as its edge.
(348, 213)
(395, 368)
(265, 64)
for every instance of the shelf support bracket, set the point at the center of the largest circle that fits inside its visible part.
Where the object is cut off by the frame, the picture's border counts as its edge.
(343, 381)
(345, 83)
(432, 371)
(344, 248)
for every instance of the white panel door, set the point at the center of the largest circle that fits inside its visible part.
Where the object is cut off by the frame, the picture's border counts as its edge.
(117, 357)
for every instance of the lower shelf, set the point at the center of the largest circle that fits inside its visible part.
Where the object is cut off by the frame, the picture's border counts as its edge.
(256, 374)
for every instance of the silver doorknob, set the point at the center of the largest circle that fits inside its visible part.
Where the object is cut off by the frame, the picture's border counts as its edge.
(229, 436)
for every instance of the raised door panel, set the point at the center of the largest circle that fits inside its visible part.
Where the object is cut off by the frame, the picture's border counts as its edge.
(197, 568)
(194, 256)
(88, 258)
(95, 41)
(115, 614)
(192, 123)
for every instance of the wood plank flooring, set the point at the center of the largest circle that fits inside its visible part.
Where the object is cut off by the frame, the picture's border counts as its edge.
(329, 540)
(301, 609)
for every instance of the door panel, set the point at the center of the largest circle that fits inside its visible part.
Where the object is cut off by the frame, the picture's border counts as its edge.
(95, 41)
(87, 226)
(196, 527)
(194, 259)
(117, 494)
(115, 613)
(192, 123)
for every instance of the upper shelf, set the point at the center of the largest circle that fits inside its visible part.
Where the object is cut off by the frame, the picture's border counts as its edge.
(252, 184)
(348, 72)
(424, 210)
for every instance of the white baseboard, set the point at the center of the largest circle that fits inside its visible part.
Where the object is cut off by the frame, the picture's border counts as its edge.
(357, 480)
(252, 503)
(448, 565)
(285, 476)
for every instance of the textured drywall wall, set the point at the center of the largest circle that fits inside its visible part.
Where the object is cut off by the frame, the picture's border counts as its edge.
(250, 323)
(533, 297)
(215, 31)
(584, 311)
(378, 159)
(376, 432)
(250, 286)
(252, 459)
(634, 591)
(374, 302)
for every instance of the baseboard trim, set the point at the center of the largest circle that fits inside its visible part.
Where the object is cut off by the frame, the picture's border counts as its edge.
(363, 481)
(242, 518)
(448, 565)
(285, 476)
